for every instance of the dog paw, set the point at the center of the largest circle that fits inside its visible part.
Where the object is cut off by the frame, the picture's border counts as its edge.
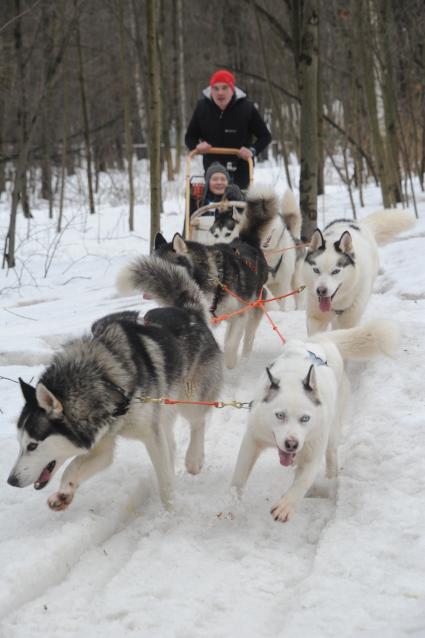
(60, 501)
(193, 464)
(282, 511)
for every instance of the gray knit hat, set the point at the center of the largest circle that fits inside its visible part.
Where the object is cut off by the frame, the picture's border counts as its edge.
(215, 167)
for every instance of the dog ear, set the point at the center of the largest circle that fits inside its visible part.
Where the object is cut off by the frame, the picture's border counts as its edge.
(47, 401)
(28, 391)
(179, 244)
(345, 243)
(274, 387)
(159, 240)
(274, 383)
(317, 242)
(310, 381)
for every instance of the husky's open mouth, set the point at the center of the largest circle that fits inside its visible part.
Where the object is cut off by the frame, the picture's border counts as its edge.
(45, 476)
(325, 303)
(286, 458)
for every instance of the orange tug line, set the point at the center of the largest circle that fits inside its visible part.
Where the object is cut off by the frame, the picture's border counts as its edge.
(258, 303)
(275, 251)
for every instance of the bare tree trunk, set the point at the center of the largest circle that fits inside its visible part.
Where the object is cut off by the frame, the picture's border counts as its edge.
(46, 166)
(390, 107)
(64, 142)
(21, 180)
(181, 92)
(140, 75)
(361, 12)
(309, 119)
(320, 142)
(127, 116)
(85, 121)
(276, 105)
(154, 119)
(166, 115)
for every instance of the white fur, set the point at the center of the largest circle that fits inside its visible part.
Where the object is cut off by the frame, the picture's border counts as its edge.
(291, 212)
(289, 415)
(347, 288)
(277, 241)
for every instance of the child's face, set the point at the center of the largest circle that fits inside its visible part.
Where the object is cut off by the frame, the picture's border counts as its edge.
(218, 183)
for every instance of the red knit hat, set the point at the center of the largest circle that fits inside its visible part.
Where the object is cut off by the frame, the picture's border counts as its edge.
(224, 77)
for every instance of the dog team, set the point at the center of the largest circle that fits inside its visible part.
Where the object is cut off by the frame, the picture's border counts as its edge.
(99, 386)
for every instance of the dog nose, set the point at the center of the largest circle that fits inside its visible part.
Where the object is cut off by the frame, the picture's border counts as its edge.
(291, 445)
(322, 291)
(12, 480)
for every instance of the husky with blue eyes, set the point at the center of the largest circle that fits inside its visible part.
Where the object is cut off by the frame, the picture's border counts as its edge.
(300, 406)
(341, 266)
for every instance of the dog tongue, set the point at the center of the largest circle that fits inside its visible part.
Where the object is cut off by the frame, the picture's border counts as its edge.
(146, 295)
(286, 458)
(325, 304)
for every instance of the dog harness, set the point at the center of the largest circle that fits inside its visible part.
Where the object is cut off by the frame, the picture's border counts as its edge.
(273, 271)
(316, 359)
(122, 406)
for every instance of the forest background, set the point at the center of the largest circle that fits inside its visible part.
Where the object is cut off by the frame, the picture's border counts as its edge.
(101, 83)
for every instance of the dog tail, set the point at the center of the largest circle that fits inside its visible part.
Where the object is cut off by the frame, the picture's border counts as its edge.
(167, 283)
(262, 208)
(291, 213)
(365, 342)
(386, 224)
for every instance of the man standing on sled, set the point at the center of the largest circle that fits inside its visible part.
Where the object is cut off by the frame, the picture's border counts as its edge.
(225, 117)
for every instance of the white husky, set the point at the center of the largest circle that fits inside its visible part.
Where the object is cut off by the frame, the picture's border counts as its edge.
(342, 264)
(301, 403)
(279, 242)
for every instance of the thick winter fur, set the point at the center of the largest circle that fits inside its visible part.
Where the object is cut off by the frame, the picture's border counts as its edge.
(240, 266)
(342, 264)
(93, 389)
(301, 403)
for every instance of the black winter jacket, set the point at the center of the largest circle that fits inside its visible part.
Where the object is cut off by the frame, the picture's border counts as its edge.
(236, 126)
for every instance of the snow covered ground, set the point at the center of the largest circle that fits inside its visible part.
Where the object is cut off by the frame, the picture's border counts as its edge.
(115, 564)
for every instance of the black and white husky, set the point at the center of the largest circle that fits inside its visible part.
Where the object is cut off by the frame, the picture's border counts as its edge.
(342, 264)
(300, 405)
(280, 238)
(94, 388)
(226, 226)
(240, 266)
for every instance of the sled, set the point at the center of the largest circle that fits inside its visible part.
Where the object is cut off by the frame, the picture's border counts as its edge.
(197, 227)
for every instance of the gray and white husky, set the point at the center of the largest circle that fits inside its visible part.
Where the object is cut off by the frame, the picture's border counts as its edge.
(342, 264)
(240, 266)
(300, 405)
(93, 390)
